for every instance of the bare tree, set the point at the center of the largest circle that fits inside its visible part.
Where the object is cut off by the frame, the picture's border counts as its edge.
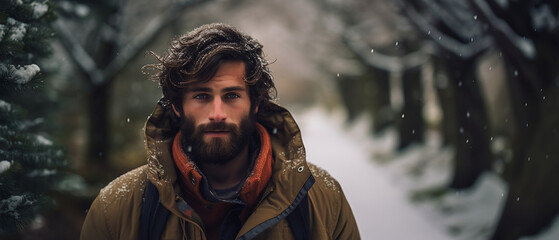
(527, 33)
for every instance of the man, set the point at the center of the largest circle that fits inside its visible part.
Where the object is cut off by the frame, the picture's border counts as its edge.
(224, 162)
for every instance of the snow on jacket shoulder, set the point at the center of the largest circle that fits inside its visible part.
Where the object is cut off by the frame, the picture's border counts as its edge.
(115, 213)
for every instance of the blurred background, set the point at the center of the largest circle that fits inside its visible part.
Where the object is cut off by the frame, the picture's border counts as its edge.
(438, 117)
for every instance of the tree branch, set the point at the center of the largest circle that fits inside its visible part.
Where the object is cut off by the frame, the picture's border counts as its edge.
(525, 46)
(452, 14)
(85, 61)
(151, 31)
(379, 60)
(444, 41)
(522, 50)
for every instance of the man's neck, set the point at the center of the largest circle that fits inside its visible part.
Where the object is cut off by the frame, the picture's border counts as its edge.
(229, 174)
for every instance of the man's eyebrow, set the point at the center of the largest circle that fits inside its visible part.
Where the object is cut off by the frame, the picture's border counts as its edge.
(200, 89)
(232, 89)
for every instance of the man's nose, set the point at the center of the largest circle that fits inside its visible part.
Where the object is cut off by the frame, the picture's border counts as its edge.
(217, 113)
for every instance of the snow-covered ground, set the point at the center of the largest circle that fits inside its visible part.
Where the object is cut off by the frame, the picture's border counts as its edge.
(388, 191)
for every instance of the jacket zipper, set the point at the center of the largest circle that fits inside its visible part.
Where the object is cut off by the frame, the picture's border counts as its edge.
(273, 221)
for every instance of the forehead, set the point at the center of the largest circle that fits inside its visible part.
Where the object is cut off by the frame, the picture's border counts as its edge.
(231, 68)
(228, 74)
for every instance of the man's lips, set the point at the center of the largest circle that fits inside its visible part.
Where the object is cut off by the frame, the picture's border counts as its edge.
(216, 133)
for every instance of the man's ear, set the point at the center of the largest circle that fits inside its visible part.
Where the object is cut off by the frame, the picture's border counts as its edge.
(177, 113)
(255, 111)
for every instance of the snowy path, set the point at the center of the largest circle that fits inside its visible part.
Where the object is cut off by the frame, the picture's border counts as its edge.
(382, 209)
(378, 193)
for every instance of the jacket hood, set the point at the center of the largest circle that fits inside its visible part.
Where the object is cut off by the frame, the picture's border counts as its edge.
(290, 170)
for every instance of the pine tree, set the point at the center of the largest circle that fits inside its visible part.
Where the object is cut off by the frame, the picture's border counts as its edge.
(30, 163)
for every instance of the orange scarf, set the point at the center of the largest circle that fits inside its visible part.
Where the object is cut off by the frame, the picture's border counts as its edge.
(213, 213)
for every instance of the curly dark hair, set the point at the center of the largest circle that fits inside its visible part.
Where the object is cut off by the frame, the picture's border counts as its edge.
(196, 56)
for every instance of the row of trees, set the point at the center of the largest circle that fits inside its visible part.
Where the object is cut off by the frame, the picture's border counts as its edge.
(455, 35)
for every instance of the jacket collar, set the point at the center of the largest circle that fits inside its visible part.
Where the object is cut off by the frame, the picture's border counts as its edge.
(254, 184)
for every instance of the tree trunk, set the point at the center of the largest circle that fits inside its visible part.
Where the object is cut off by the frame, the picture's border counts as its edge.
(525, 107)
(446, 96)
(411, 123)
(531, 203)
(354, 92)
(471, 142)
(99, 137)
(99, 109)
(381, 110)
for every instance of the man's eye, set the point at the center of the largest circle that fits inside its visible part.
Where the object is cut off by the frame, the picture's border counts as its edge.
(232, 96)
(201, 96)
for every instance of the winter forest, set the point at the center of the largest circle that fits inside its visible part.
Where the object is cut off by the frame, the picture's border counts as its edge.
(438, 117)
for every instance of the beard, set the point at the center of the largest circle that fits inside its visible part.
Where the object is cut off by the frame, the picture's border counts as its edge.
(219, 150)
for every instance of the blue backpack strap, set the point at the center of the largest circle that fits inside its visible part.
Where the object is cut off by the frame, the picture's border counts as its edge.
(154, 215)
(299, 220)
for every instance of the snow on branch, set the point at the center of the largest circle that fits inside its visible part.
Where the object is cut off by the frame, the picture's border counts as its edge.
(4, 106)
(452, 13)
(11, 205)
(381, 61)
(20, 74)
(18, 29)
(444, 41)
(542, 18)
(525, 46)
(39, 9)
(5, 165)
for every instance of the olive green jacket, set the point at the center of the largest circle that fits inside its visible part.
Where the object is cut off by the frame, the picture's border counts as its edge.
(115, 213)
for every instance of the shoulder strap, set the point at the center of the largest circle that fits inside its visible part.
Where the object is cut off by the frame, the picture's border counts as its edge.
(154, 215)
(299, 220)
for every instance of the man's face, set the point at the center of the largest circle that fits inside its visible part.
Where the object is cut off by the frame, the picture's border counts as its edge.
(217, 122)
